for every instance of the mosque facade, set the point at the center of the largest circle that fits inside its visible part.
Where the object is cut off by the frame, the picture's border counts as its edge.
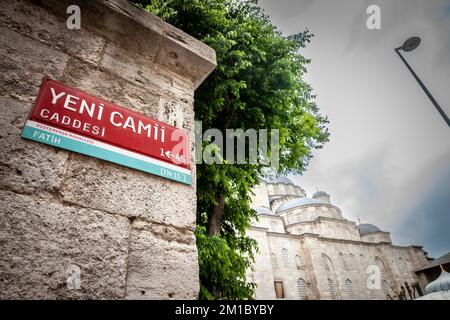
(308, 250)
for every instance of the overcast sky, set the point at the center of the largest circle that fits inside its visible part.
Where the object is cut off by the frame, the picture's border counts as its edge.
(388, 159)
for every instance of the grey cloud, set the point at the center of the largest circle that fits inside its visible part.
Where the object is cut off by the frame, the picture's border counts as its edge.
(428, 222)
(388, 144)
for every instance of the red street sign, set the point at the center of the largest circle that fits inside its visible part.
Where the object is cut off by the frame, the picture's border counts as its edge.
(107, 126)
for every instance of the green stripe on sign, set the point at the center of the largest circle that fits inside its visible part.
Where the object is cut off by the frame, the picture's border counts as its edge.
(57, 140)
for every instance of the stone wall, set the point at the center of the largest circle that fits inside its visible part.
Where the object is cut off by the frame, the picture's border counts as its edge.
(295, 244)
(348, 260)
(129, 232)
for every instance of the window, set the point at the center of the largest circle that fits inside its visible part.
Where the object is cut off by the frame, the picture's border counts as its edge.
(386, 289)
(401, 265)
(279, 290)
(298, 261)
(418, 289)
(273, 226)
(407, 265)
(342, 261)
(285, 258)
(379, 263)
(302, 291)
(291, 189)
(326, 262)
(273, 259)
(352, 263)
(331, 289)
(349, 289)
(404, 265)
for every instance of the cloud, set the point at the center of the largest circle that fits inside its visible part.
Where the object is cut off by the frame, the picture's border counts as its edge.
(389, 147)
(428, 222)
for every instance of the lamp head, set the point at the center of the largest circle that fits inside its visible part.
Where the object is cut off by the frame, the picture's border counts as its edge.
(411, 44)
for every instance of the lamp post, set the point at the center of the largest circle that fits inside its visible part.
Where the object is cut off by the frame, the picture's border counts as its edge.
(409, 45)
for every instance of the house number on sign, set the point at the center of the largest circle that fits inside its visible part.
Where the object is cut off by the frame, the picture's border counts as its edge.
(168, 154)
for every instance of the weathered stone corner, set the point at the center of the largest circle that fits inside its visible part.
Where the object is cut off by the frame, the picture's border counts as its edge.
(129, 233)
(136, 30)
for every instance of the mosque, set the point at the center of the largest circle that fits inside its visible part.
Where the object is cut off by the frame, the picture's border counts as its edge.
(308, 250)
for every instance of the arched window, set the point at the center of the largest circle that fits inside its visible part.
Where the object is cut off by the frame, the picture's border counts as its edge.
(379, 263)
(279, 289)
(386, 289)
(285, 258)
(352, 263)
(331, 289)
(273, 226)
(349, 289)
(273, 259)
(342, 260)
(302, 290)
(402, 265)
(298, 261)
(291, 189)
(326, 262)
(407, 265)
(280, 189)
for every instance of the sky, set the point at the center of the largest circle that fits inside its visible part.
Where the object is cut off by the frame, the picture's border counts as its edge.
(388, 158)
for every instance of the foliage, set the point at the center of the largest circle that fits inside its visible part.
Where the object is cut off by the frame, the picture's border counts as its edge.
(258, 83)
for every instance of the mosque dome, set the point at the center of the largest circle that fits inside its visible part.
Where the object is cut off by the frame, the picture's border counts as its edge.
(368, 228)
(297, 202)
(442, 283)
(320, 194)
(263, 210)
(281, 179)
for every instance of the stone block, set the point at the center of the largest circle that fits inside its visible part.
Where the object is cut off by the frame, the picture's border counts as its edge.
(26, 166)
(139, 31)
(99, 184)
(40, 240)
(23, 64)
(37, 23)
(145, 72)
(159, 255)
(112, 88)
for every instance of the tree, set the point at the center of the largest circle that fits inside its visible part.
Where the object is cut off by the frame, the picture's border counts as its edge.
(258, 83)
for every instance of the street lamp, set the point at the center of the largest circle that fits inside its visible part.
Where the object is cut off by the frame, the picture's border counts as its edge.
(409, 45)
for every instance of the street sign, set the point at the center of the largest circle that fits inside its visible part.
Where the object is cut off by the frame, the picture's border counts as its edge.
(71, 119)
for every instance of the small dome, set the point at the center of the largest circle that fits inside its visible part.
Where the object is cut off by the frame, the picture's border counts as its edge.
(320, 194)
(263, 210)
(278, 180)
(297, 202)
(368, 228)
(442, 283)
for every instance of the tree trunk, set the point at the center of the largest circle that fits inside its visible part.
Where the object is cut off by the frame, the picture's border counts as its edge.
(215, 220)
